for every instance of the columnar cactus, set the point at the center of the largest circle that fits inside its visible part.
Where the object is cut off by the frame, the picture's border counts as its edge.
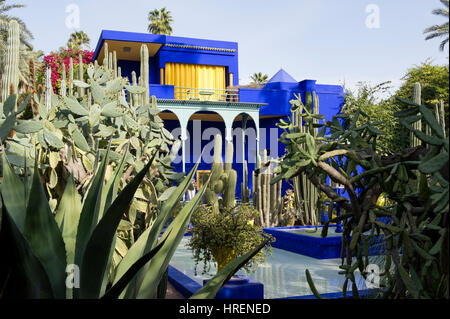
(267, 198)
(80, 75)
(417, 98)
(63, 90)
(145, 73)
(306, 194)
(11, 74)
(71, 77)
(223, 178)
(245, 191)
(440, 115)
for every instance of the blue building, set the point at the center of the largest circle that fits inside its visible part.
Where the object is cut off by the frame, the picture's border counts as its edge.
(196, 83)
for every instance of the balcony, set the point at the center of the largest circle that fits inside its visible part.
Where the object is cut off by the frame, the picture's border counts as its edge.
(194, 94)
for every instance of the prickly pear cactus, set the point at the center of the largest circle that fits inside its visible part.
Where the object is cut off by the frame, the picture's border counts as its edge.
(73, 133)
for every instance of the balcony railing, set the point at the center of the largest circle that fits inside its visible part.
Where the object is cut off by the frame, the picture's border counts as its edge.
(200, 94)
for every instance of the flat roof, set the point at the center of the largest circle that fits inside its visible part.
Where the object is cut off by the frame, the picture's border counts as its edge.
(120, 39)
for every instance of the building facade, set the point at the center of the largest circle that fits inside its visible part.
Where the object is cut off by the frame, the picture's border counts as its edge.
(196, 83)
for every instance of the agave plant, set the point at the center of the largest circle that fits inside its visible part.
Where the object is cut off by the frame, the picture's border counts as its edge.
(81, 236)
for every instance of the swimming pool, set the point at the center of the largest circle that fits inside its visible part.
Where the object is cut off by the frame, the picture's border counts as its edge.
(282, 275)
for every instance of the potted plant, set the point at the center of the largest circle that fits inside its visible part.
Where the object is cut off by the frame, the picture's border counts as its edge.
(221, 236)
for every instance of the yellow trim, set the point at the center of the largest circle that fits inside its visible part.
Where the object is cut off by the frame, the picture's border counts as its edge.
(161, 76)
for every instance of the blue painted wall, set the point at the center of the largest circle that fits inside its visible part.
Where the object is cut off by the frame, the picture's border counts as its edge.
(175, 54)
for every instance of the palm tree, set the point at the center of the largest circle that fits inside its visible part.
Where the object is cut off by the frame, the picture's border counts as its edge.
(160, 21)
(439, 31)
(259, 78)
(78, 39)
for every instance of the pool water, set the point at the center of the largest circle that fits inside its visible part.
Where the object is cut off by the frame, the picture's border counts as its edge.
(283, 275)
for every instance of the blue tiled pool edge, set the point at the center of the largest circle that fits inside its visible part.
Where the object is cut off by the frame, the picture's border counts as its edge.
(320, 248)
(187, 287)
(316, 247)
(184, 284)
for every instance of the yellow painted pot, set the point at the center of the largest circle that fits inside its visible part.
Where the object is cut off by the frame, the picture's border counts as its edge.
(381, 201)
(223, 255)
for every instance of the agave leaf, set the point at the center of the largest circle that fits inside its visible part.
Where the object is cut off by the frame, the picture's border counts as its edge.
(212, 287)
(173, 234)
(116, 289)
(148, 238)
(13, 193)
(109, 192)
(44, 236)
(95, 257)
(89, 213)
(35, 286)
(67, 217)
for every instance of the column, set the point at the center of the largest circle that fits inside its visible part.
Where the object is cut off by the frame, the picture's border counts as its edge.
(161, 76)
(244, 126)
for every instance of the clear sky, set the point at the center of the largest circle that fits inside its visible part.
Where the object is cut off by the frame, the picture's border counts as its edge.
(325, 40)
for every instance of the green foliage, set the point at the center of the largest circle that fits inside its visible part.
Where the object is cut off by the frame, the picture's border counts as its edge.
(259, 78)
(434, 80)
(160, 21)
(415, 180)
(439, 30)
(233, 228)
(381, 111)
(77, 40)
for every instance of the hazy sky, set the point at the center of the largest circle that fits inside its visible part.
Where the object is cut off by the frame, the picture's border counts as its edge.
(326, 40)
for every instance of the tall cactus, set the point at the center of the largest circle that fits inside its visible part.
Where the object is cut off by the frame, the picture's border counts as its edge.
(267, 198)
(306, 194)
(440, 114)
(80, 75)
(63, 90)
(417, 98)
(11, 74)
(145, 73)
(223, 178)
(70, 77)
(245, 191)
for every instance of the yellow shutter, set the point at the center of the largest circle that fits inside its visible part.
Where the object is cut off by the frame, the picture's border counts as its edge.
(195, 76)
